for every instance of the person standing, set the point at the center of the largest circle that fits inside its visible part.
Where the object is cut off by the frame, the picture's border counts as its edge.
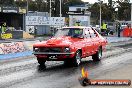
(77, 23)
(118, 28)
(3, 27)
(104, 29)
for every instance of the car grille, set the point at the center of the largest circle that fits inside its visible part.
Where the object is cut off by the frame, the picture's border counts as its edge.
(54, 50)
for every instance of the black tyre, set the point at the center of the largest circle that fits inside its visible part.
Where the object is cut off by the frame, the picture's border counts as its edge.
(98, 55)
(86, 82)
(41, 61)
(77, 59)
(68, 62)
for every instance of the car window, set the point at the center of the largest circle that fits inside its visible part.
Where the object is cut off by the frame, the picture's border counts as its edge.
(86, 33)
(92, 33)
(78, 31)
(61, 32)
(73, 32)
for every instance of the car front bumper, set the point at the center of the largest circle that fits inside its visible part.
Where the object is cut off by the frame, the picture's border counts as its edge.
(54, 56)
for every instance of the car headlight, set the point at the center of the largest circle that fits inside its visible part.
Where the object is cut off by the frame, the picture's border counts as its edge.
(67, 49)
(36, 49)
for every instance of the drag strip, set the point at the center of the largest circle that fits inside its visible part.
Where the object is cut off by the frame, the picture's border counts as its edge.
(14, 73)
(6, 69)
(59, 76)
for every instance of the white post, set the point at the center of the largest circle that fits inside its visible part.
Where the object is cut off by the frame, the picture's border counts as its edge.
(25, 17)
(50, 9)
(131, 15)
(60, 13)
(27, 6)
(100, 16)
(60, 8)
(50, 16)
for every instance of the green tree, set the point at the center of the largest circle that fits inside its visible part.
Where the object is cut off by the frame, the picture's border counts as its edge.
(110, 3)
(65, 6)
(106, 13)
(21, 3)
(95, 12)
(39, 4)
(124, 10)
(7, 2)
(75, 2)
(32, 6)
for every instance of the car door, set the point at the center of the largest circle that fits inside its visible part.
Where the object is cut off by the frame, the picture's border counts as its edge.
(88, 42)
(94, 39)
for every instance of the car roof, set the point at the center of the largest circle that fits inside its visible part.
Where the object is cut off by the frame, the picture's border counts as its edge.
(77, 27)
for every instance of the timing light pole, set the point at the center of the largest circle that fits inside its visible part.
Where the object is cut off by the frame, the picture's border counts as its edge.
(60, 8)
(60, 12)
(27, 6)
(100, 16)
(131, 13)
(130, 1)
(50, 9)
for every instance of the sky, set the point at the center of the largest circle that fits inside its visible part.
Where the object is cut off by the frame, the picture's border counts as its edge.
(93, 1)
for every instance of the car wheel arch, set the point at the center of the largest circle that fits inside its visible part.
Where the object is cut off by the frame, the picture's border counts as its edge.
(76, 59)
(100, 47)
(80, 50)
(75, 49)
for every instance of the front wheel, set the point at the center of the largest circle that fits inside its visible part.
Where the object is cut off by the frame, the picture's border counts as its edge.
(98, 55)
(41, 61)
(77, 59)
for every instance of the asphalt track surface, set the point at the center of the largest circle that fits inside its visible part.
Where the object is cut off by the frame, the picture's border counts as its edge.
(26, 73)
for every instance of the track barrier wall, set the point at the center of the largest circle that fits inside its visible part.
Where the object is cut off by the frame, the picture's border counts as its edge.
(16, 47)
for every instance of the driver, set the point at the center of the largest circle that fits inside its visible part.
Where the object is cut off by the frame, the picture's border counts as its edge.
(78, 33)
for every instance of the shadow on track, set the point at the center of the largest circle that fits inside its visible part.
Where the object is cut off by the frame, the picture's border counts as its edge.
(61, 67)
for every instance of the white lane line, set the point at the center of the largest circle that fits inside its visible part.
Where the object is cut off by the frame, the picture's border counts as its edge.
(16, 76)
(115, 61)
(15, 64)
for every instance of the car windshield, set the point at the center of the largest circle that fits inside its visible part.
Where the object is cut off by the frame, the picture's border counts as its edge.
(73, 32)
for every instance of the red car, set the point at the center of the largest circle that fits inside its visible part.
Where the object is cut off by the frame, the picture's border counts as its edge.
(71, 44)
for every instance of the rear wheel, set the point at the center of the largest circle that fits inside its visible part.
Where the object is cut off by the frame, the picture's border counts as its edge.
(41, 61)
(77, 59)
(98, 55)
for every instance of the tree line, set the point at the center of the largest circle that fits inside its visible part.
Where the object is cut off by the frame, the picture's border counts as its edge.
(114, 10)
(111, 11)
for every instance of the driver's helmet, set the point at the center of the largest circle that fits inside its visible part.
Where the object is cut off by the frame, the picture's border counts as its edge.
(78, 33)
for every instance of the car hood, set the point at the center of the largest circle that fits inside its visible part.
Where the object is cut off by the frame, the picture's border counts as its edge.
(59, 41)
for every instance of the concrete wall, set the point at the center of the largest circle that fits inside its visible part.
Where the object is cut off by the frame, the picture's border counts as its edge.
(16, 47)
(13, 47)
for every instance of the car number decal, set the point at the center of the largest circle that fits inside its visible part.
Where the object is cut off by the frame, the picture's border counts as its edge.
(52, 57)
